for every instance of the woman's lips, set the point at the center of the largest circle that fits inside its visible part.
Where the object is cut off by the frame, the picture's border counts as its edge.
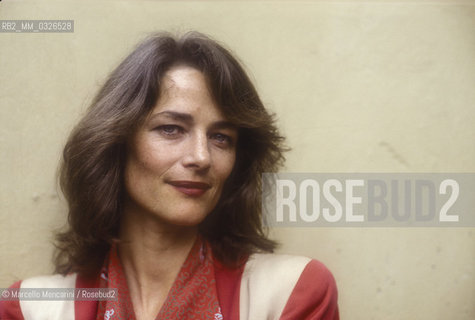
(191, 188)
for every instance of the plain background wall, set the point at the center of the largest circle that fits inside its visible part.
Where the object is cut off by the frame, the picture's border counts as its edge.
(357, 86)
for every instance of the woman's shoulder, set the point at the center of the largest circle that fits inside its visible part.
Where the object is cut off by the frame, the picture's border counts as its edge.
(49, 281)
(289, 268)
(15, 307)
(289, 287)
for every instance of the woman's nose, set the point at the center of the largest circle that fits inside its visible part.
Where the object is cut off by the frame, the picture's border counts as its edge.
(198, 153)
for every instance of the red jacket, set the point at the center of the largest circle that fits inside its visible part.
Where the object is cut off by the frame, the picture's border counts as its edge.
(268, 286)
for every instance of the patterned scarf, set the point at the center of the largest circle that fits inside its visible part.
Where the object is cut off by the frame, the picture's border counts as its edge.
(193, 295)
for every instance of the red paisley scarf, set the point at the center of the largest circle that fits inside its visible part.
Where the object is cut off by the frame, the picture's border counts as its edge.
(193, 295)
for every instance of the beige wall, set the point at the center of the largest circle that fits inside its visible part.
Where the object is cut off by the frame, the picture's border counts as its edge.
(358, 87)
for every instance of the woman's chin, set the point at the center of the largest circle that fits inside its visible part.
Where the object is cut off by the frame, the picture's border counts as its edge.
(183, 219)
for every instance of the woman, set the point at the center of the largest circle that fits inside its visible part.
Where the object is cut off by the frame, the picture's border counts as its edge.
(163, 182)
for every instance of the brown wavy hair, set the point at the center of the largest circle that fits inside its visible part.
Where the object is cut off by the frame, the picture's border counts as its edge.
(92, 168)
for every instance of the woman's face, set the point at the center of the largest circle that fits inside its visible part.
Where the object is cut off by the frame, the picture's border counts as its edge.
(180, 158)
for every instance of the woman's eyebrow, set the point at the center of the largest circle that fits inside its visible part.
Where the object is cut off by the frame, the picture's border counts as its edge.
(223, 124)
(188, 118)
(185, 117)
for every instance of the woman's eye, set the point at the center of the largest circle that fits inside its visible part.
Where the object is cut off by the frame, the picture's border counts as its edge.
(222, 139)
(170, 130)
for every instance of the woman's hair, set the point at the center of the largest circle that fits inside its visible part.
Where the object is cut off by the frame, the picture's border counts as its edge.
(92, 169)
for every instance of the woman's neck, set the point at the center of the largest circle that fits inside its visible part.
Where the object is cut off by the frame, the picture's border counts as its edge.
(152, 254)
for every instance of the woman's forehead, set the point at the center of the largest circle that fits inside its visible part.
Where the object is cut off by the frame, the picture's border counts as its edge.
(184, 89)
(182, 78)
